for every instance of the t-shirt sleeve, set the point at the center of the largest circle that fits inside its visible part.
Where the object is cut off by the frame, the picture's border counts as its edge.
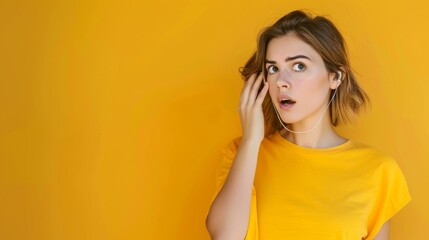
(392, 195)
(228, 155)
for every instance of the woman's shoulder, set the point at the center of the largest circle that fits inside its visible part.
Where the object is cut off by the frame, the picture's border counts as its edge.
(372, 153)
(233, 143)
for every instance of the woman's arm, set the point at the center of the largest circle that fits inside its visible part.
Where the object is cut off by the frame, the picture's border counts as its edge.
(384, 233)
(229, 213)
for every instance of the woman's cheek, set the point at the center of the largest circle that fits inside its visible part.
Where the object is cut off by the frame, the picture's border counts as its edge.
(273, 90)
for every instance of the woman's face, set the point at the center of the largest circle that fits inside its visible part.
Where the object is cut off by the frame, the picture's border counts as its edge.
(296, 71)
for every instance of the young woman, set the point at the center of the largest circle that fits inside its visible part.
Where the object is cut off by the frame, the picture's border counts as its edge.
(290, 175)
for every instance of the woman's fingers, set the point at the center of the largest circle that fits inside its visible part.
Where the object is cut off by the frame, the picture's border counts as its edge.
(262, 94)
(251, 114)
(254, 91)
(245, 91)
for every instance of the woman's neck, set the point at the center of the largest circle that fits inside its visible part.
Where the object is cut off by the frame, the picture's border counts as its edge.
(324, 136)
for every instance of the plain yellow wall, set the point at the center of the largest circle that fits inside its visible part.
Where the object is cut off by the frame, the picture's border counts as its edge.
(113, 113)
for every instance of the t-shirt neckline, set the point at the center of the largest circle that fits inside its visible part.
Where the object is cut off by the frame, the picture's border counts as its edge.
(343, 146)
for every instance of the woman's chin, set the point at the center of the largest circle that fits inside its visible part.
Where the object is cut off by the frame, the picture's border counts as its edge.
(290, 119)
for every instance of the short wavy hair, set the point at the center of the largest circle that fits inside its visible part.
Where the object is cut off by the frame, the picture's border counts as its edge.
(322, 35)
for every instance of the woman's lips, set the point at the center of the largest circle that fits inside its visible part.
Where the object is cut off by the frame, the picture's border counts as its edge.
(285, 101)
(286, 106)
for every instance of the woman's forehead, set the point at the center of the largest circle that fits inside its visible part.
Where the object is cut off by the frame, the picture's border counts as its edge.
(290, 45)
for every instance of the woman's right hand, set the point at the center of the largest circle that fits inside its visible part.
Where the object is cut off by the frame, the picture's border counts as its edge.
(251, 115)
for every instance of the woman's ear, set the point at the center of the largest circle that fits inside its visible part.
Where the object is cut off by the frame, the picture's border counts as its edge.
(336, 78)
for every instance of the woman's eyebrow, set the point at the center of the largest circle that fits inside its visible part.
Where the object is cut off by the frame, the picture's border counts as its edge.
(289, 58)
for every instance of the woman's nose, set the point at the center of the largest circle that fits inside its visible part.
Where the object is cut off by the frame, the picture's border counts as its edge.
(283, 80)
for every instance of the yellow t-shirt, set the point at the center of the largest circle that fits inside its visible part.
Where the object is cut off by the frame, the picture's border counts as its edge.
(344, 192)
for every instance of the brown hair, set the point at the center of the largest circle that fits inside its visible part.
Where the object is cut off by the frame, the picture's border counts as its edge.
(321, 34)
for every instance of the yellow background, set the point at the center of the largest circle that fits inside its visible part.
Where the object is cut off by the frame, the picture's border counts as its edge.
(113, 113)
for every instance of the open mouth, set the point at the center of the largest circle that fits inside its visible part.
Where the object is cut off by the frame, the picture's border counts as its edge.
(286, 103)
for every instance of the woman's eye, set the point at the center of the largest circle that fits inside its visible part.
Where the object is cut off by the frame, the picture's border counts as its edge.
(298, 67)
(272, 69)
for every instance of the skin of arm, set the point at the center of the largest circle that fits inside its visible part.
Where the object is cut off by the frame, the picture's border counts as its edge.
(384, 233)
(229, 213)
